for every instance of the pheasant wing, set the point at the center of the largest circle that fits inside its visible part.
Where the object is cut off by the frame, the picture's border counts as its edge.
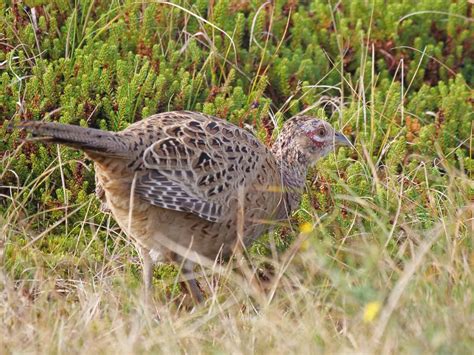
(198, 165)
(164, 192)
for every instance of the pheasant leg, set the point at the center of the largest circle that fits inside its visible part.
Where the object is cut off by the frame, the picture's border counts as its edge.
(191, 283)
(147, 269)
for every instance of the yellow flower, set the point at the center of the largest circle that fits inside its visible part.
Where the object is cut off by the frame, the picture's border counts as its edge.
(371, 311)
(306, 227)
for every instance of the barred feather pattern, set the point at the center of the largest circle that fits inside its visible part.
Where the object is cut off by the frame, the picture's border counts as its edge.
(196, 180)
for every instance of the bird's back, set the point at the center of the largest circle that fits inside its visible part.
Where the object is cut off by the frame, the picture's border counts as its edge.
(198, 181)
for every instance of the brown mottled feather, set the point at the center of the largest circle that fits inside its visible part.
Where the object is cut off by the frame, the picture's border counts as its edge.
(183, 177)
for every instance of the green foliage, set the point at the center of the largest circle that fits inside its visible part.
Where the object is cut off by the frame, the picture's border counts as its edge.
(394, 76)
(109, 65)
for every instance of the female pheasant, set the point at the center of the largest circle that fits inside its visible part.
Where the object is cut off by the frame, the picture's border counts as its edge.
(190, 187)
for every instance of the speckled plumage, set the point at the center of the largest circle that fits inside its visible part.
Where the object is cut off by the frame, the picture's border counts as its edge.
(181, 184)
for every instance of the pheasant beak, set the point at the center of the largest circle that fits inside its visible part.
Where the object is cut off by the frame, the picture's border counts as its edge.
(341, 140)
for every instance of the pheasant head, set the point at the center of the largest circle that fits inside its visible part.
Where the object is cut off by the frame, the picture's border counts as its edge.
(303, 140)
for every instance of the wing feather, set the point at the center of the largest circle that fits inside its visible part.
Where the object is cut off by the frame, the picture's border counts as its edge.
(197, 164)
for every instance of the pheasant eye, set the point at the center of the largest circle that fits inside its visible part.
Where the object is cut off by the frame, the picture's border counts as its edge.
(321, 132)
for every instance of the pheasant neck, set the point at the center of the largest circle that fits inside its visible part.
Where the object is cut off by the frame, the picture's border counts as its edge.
(294, 167)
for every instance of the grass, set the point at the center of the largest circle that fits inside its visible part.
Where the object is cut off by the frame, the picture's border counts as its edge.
(392, 286)
(380, 255)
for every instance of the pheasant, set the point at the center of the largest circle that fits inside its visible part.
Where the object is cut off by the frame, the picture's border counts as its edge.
(190, 187)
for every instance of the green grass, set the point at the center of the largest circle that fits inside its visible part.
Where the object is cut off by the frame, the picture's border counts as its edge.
(384, 259)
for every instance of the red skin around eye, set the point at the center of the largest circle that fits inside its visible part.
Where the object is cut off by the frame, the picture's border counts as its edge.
(313, 135)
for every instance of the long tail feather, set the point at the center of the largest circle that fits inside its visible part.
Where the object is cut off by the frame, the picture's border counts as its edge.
(87, 139)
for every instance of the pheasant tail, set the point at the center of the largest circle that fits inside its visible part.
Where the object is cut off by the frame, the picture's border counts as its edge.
(90, 140)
